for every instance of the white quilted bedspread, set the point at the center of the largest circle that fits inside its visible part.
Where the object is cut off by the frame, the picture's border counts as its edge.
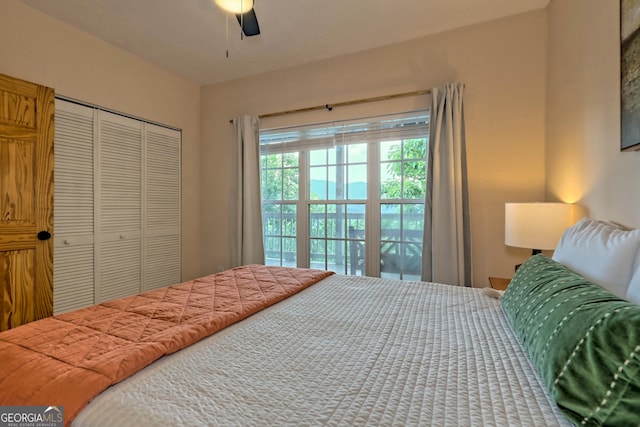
(347, 351)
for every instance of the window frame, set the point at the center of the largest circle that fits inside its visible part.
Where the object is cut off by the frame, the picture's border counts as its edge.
(373, 203)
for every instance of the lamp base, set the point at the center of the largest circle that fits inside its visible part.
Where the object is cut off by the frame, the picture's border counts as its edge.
(533, 252)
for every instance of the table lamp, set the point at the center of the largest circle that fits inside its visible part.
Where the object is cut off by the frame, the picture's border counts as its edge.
(537, 226)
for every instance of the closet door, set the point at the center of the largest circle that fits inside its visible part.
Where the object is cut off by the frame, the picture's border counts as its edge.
(73, 262)
(161, 207)
(117, 213)
(118, 209)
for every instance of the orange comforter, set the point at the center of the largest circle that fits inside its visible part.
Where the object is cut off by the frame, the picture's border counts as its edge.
(68, 359)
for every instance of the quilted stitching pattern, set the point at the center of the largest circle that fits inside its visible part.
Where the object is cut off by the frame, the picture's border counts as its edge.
(352, 351)
(55, 360)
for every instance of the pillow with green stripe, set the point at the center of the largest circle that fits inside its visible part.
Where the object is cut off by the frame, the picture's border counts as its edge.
(583, 340)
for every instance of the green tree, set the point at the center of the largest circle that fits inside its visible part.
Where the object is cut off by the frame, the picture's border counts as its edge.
(406, 170)
(280, 176)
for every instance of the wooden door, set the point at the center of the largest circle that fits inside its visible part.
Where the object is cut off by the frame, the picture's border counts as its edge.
(26, 201)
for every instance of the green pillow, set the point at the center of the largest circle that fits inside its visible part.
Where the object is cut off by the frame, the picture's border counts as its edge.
(583, 340)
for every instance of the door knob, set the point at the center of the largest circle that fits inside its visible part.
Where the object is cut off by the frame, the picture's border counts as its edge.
(44, 235)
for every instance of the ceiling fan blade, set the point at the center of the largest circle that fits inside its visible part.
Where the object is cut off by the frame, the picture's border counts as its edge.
(249, 23)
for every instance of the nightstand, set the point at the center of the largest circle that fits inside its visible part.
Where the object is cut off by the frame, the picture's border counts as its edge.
(499, 283)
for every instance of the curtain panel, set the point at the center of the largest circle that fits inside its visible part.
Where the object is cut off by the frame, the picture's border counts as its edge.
(447, 231)
(246, 239)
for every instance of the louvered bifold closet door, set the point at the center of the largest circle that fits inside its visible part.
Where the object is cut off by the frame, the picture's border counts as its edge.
(119, 207)
(73, 265)
(162, 207)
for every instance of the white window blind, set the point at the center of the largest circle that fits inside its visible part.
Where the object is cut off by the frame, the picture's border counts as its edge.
(327, 135)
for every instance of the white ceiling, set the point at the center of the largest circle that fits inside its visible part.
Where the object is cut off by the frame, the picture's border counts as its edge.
(188, 37)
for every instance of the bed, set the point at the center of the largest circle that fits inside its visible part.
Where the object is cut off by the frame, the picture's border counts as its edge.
(554, 350)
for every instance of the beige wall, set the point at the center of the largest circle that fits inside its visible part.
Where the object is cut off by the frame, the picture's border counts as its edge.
(504, 66)
(41, 49)
(503, 63)
(584, 162)
(509, 110)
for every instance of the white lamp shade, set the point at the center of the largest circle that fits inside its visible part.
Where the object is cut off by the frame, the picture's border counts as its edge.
(235, 6)
(536, 225)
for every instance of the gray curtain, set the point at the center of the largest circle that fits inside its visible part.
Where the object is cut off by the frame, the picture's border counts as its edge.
(446, 255)
(246, 234)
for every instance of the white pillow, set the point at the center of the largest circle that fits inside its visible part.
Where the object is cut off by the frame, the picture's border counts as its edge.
(633, 291)
(601, 252)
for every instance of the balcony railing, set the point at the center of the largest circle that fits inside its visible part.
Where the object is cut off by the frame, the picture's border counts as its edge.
(400, 249)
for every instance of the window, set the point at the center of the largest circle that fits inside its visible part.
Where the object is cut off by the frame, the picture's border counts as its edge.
(346, 197)
(402, 191)
(337, 207)
(279, 182)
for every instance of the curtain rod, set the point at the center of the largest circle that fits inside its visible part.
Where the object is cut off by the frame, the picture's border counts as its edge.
(330, 107)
